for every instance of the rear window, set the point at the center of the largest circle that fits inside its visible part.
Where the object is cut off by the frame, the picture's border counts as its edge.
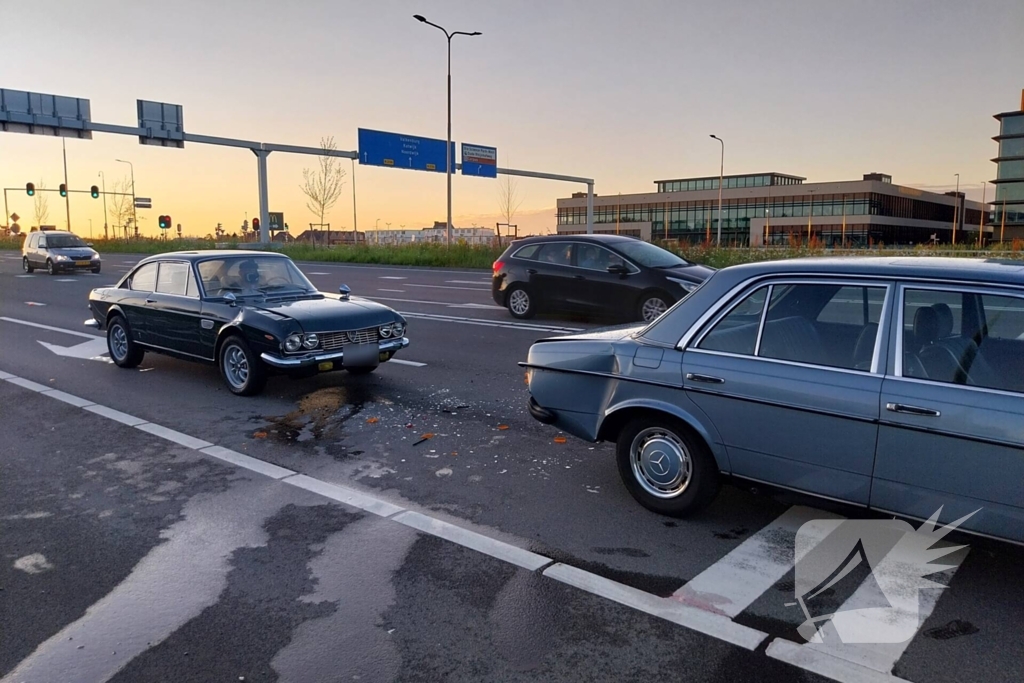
(527, 252)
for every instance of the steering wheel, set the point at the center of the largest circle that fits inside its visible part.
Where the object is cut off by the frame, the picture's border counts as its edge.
(278, 281)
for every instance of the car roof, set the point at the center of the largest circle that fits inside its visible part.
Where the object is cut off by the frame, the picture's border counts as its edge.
(203, 254)
(598, 238)
(1009, 271)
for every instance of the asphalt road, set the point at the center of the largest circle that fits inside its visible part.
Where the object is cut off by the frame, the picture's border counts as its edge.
(164, 563)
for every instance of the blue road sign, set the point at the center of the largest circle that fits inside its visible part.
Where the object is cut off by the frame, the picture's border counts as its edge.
(479, 160)
(377, 148)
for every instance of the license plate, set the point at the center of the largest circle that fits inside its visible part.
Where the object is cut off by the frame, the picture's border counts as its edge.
(325, 366)
(81, 263)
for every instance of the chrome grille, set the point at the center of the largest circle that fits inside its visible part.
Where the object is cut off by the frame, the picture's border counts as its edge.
(329, 341)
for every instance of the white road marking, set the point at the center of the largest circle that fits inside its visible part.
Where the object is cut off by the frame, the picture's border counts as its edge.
(468, 289)
(490, 307)
(34, 303)
(392, 277)
(490, 323)
(400, 291)
(171, 435)
(27, 384)
(241, 460)
(49, 327)
(92, 349)
(66, 279)
(713, 625)
(24, 276)
(732, 583)
(825, 665)
(408, 362)
(115, 415)
(471, 539)
(76, 401)
(6, 375)
(467, 282)
(345, 495)
(317, 273)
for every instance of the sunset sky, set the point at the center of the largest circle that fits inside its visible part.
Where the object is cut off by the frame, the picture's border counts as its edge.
(624, 92)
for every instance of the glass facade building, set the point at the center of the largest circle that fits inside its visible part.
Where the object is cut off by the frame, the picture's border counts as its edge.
(1008, 207)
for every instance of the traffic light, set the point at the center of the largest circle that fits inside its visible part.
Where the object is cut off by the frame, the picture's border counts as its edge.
(63, 190)
(165, 222)
(95, 192)
(30, 189)
(255, 224)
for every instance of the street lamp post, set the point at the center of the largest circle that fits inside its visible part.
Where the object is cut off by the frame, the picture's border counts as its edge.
(135, 215)
(448, 146)
(376, 230)
(106, 234)
(956, 206)
(721, 172)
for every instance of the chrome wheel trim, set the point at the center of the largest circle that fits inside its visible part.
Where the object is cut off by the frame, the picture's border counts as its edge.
(652, 308)
(661, 463)
(519, 302)
(236, 366)
(24, 264)
(50, 268)
(118, 341)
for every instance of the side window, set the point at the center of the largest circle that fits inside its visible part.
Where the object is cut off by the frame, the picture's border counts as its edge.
(528, 252)
(32, 241)
(173, 278)
(193, 288)
(830, 325)
(556, 253)
(737, 331)
(593, 257)
(41, 242)
(144, 279)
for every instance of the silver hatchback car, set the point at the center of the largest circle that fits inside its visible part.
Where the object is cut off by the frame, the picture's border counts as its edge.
(894, 384)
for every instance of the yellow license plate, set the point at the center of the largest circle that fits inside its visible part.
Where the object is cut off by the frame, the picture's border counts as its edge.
(81, 263)
(324, 367)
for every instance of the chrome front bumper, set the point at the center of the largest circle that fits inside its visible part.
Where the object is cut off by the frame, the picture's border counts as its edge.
(293, 362)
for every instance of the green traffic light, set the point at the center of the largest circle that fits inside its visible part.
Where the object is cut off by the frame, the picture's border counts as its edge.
(30, 189)
(63, 190)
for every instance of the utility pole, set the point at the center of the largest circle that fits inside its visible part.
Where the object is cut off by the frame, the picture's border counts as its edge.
(355, 226)
(956, 207)
(721, 176)
(67, 195)
(106, 234)
(981, 221)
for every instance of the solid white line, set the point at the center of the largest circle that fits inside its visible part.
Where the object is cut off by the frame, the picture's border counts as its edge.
(6, 375)
(400, 291)
(826, 665)
(391, 277)
(66, 279)
(467, 282)
(489, 323)
(471, 539)
(249, 463)
(713, 625)
(48, 327)
(393, 269)
(177, 437)
(408, 362)
(116, 415)
(317, 273)
(76, 401)
(346, 495)
(468, 289)
(28, 384)
(735, 581)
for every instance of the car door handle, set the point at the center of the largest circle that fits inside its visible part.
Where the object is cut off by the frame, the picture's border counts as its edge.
(695, 377)
(531, 271)
(911, 410)
(150, 301)
(578, 277)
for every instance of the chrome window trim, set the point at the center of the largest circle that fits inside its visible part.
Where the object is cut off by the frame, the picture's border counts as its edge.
(573, 244)
(131, 276)
(792, 363)
(187, 265)
(726, 306)
(760, 324)
(610, 251)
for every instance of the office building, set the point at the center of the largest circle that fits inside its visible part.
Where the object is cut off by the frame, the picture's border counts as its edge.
(435, 233)
(1008, 208)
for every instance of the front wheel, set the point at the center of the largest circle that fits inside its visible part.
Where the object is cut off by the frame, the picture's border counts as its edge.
(665, 468)
(96, 270)
(652, 305)
(123, 350)
(50, 268)
(242, 371)
(520, 303)
(25, 265)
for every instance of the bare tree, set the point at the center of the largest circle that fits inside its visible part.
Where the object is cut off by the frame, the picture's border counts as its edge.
(322, 186)
(121, 205)
(508, 200)
(42, 204)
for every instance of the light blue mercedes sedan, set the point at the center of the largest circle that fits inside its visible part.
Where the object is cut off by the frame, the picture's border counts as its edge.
(895, 384)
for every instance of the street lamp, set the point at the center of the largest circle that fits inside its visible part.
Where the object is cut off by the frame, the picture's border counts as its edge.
(376, 230)
(135, 215)
(721, 172)
(956, 207)
(448, 145)
(106, 234)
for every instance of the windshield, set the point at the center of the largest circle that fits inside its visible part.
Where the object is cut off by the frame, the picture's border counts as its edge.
(646, 254)
(252, 275)
(63, 241)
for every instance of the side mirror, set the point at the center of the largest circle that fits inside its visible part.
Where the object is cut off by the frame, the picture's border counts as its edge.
(88, 244)
(345, 292)
(230, 298)
(618, 269)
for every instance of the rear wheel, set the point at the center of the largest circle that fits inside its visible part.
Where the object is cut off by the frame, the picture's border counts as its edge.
(520, 303)
(242, 371)
(652, 305)
(25, 265)
(123, 350)
(50, 268)
(664, 467)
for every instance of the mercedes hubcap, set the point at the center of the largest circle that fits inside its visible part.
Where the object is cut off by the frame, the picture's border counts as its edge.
(661, 463)
(519, 302)
(118, 342)
(652, 308)
(236, 367)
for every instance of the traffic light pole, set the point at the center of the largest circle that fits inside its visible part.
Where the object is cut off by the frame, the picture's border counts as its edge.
(261, 162)
(67, 196)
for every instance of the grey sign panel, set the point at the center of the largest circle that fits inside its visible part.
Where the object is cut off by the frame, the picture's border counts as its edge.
(275, 220)
(40, 114)
(162, 122)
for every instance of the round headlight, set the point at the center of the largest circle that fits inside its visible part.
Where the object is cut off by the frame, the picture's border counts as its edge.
(310, 341)
(293, 343)
(397, 329)
(385, 331)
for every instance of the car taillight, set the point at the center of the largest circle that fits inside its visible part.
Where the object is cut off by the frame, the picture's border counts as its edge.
(498, 265)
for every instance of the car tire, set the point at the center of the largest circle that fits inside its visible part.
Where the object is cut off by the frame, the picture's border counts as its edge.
(520, 303)
(96, 270)
(362, 371)
(51, 269)
(652, 304)
(25, 265)
(665, 467)
(243, 372)
(124, 350)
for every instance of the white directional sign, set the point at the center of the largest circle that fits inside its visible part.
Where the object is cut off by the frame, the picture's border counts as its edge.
(143, 202)
(94, 349)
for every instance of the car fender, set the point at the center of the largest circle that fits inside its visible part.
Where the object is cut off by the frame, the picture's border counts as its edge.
(111, 310)
(689, 413)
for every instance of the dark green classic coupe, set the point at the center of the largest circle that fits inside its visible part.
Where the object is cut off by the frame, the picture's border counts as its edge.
(250, 312)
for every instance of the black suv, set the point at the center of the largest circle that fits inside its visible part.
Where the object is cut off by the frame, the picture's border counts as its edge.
(58, 251)
(609, 274)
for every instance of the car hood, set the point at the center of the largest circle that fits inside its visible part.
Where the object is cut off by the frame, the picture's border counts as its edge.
(693, 272)
(74, 252)
(329, 313)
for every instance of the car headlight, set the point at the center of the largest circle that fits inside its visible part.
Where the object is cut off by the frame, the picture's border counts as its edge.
(60, 257)
(685, 284)
(310, 341)
(95, 257)
(293, 342)
(385, 331)
(397, 329)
